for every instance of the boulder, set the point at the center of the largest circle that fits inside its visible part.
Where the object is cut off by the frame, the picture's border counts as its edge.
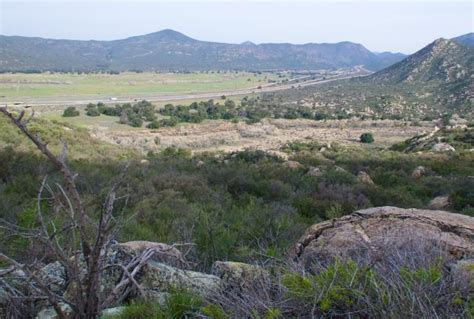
(382, 234)
(364, 178)
(463, 271)
(200, 164)
(50, 313)
(164, 253)
(242, 278)
(340, 169)
(158, 278)
(293, 165)
(314, 171)
(54, 275)
(418, 172)
(442, 147)
(439, 202)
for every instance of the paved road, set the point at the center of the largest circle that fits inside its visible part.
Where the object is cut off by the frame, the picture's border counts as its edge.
(170, 98)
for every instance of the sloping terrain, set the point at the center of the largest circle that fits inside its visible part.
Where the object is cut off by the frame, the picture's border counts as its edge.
(466, 39)
(432, 81)
(442, 60)
(170, 50)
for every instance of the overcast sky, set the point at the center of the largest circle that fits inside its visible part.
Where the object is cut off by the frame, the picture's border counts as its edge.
(403, 26)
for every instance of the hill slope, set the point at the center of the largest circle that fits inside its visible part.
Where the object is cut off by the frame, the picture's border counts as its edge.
(428, 83)
(466, 39)
(442, 60)
(170, 50)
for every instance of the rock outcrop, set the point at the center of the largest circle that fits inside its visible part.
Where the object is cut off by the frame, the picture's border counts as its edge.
(439, 202)
(242, 278)
(418, 172)
(378, 234)
(442, 147)
(164, 253)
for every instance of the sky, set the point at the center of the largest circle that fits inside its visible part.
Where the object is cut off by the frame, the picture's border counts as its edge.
(398, 26)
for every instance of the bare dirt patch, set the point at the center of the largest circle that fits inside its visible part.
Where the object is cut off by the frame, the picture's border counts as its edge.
(270, 134)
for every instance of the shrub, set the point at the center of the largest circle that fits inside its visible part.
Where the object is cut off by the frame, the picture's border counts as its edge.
(71, 112)
(367, 138)
(92, 110)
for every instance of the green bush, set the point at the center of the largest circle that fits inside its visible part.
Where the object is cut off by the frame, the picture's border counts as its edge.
(92, 110)
(367, 138)
(71, 112)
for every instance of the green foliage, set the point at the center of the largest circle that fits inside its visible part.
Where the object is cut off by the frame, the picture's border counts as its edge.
(346, 287)
(230, 199)
(367, 138)
(139, 310)
(178, 305)
(92, 110)
(71, 112)
(215, 312)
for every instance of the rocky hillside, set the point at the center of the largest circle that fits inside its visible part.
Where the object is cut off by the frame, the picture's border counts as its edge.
(170, 50)
(435, 80)
(442, 60)
(403, 249)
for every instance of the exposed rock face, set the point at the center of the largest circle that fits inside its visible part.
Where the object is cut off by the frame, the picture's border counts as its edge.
(364, 178)
(378, 234)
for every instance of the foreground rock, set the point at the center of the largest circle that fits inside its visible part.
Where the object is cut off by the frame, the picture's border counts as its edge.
(158, 278)
(384, 233)
(164, 253)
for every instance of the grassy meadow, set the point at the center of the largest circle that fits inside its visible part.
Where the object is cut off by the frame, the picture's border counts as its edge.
(14, 87)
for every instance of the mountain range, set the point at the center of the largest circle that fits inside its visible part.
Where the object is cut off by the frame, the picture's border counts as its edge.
(435, 80)
(169, 50)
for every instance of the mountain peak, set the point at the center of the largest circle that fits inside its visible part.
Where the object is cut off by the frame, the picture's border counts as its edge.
(169, 35)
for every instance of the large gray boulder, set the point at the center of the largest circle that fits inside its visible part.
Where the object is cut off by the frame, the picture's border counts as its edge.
(382, 233)
(240, 278)
(158, 278)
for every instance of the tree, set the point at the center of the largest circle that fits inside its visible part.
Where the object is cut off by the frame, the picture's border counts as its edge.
(92, 110)
(367, 138)
(78, 242)
(70, 112)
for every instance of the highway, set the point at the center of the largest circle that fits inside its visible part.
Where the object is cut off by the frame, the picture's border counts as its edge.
(271, 87)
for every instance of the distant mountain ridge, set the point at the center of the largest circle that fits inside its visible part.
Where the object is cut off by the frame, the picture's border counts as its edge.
(466, 39)
(169, 50)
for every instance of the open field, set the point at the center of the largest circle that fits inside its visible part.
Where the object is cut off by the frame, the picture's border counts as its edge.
(123, 85)
(59, 89)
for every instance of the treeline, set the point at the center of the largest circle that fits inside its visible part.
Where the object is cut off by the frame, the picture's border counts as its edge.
(249, 109)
